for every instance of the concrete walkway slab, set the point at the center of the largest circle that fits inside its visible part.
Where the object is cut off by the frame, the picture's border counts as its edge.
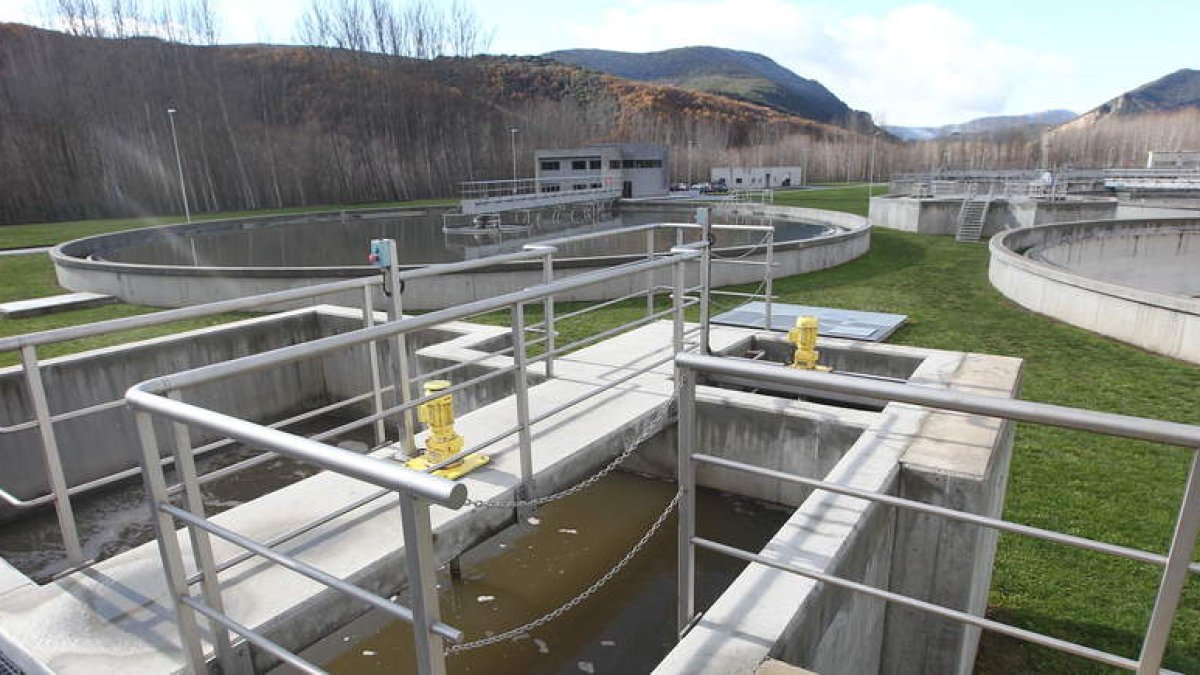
(20, 309)
(117, 614)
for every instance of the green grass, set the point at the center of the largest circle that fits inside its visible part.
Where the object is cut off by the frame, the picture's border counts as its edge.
(45, 234)
(852, 199)
(1113, 490)
(32, 276)
(1118, 491)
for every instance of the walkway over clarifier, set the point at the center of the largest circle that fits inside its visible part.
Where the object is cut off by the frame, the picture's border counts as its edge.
(116, 615)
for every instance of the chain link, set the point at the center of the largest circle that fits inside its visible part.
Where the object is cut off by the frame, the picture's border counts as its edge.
(652, 427)
(575, 601)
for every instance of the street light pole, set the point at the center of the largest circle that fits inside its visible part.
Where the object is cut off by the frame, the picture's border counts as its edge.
(512, 137)
(187, 215)
(691, 144)
(871, 171)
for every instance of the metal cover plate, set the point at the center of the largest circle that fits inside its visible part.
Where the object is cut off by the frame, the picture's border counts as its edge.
(836, 323)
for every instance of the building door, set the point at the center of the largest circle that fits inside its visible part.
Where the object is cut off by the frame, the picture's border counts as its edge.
(627, 189)
(768, 182)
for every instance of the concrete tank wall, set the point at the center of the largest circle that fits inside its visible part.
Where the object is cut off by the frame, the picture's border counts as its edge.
(98, 445)
(169, 285)
(1083, 274)
(940, 215)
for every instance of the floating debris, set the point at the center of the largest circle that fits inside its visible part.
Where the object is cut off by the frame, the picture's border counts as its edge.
(568, 530)
(486, 598)
(543, 648)
(368, 652)
(608, 643)
(532, 520)
(587, 666)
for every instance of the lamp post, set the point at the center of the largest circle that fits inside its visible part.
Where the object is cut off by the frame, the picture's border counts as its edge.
(187, 215)
(871, 170)
(691, 144)
(512, 139)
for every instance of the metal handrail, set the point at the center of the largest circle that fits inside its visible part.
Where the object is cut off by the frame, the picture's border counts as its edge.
(384, 474)
(1177, 563)
(160, 396)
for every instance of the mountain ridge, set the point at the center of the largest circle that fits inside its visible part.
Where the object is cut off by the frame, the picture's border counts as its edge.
(984, 125)
(741, 75)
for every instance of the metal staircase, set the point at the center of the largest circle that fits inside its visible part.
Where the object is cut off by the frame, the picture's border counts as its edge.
(972, 215)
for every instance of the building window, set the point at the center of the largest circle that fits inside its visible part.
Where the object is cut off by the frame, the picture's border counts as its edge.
(595, 186)
(614, 163)
(551, 188)
(579, 186)
(594, 164)
(738, 181)
(549, 165)
(579, 165)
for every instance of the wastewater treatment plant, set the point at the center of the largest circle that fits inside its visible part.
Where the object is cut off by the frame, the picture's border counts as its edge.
(570, 431)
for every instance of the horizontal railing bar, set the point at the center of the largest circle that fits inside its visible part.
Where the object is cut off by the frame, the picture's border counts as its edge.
(736, 294)
(596, 392)
(591, 308)
(178, 314)
(962, 516)
(945, 612)
(641, 321)
(338, 460)
(738, 261)
(718, 226)
(462, 364)
(464, 265)
(295, 532)
(304, 569)
(252, 636)
(1158, 431)
(20, 426)
(275, 357)
(306, 415)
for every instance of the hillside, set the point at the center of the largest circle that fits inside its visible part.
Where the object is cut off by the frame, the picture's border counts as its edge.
(1178, 91)
(985, 125)
(741, 75)
(85, 131)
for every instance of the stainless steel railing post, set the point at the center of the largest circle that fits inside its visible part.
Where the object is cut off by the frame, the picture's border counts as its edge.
(685, 379)
(1175, 575)
(400, 345)
(373, 364)
(202, 553)
(769, 280)
(677, 304)
(705, 218)
(168, 544)
(521, 384)
(50, 454)
(650, 273)
(422, 583)
(548, 311)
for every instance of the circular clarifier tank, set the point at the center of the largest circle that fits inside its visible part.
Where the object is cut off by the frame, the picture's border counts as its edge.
(1134, 280)
(203, 262)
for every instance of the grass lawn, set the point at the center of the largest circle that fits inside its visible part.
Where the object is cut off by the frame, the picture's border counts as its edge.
(46, 234)
(32, 276)
(1119, 491)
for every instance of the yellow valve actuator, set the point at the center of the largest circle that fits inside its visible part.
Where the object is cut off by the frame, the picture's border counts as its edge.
(443, 442)
(804, 337)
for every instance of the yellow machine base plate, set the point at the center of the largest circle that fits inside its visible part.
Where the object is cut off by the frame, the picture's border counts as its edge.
(453, 472)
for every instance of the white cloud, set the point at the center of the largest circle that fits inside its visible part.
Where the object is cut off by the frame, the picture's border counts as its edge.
(915, 64)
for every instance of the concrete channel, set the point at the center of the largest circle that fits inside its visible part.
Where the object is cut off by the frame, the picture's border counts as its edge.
(116, 615)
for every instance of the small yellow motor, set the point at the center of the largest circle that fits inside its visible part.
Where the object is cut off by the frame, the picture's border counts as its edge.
(443, 441)
(804, 337)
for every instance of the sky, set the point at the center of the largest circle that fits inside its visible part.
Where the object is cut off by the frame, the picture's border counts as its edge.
(905, 63)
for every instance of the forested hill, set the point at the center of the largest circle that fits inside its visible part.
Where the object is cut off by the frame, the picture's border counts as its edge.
(728, 72)
(85, 129)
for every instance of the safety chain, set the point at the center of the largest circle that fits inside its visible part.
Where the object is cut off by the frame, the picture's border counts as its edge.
(573, 602)
(651, 428)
